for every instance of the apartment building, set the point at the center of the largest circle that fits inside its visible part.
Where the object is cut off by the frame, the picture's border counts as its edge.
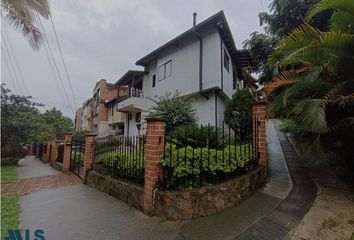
(202, 63)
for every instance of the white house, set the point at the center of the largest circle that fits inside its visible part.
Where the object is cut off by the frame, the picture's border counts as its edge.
(202, 62)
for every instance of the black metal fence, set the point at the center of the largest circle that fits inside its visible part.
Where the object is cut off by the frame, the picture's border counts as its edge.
(77, 157)
(121, 157)
(60, 157)
(40, 150)
(204, 155)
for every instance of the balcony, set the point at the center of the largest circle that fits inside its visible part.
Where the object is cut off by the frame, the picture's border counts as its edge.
(134, 102)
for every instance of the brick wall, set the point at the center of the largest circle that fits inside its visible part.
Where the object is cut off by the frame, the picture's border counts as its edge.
(67, 152)
(155, 138)
(78, 118)
(89, 154)
(259, 110)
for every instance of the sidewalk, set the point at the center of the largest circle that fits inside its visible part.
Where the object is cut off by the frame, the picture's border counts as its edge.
(37, 176)
(81, 212)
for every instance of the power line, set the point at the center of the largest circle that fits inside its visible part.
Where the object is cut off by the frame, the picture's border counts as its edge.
(62, 58)
(12, 67)
(7, 39)
(261, 4)
(55, 64)
(53, 72)
(10, 72)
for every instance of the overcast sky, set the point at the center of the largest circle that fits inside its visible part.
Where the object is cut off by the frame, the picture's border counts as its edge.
(104, 38)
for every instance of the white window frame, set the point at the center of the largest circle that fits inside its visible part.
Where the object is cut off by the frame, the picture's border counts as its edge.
(163, 74)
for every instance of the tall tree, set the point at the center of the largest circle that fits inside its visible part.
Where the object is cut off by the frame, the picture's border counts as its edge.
(315, 86)
(60, 123)
(21, 15)
(284, 16)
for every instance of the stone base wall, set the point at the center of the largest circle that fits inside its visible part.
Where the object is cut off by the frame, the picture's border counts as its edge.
(126, 191)
(183, 205)
(58, 166)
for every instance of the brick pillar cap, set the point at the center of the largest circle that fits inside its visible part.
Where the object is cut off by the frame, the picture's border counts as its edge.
(91, 134)
(260, 103)
(69, 133)
(152, 119)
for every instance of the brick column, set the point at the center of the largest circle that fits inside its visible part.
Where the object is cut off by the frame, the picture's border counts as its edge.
(54, 156)
(259, 111)
(89, 154)
(155, 139)
(67, 152)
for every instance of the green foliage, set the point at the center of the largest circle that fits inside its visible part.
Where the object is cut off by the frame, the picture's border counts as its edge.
(283, 16)
(289, 126)
(260, 47)
(10, 211)
(8, 174)
(13, 150)
(319, 101)
(176, 110)
(21, 15)
(60, 123)
(79, 135)
(9, 161)
(120, 160)
(22, 123)
(78, 155)
(197, 136)
(238, 111)
(191, 163)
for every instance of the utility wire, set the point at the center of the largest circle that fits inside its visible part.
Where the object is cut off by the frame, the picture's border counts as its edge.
(10, 72)
(7, 39)
(55, 64)
(12, 67)
(62, 58)
(261, 4)
(52, 68)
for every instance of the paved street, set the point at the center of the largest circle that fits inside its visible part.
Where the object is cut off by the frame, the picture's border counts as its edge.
(80, 212)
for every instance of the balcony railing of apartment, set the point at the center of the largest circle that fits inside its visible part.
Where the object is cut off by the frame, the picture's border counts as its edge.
(134, 92)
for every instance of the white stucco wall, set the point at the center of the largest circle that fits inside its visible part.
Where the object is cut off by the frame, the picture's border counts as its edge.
(185, 76)
(185, 67)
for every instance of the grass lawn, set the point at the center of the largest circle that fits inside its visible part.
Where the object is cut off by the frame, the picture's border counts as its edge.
(10, 210)
(8, 174)
(10, 207)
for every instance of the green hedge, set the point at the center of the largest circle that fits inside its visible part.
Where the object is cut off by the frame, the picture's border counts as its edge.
(78, 155)
(125, 160)
(185, 163)
(187, 168)
(9, 161)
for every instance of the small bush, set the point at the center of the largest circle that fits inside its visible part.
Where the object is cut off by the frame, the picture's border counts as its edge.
(9, 161)
(238, 111)
(188, 164)
(13, 151)
(197, 136)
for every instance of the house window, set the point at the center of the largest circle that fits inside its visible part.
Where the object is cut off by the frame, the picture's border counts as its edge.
(153, 80)
(226, 60)
(234, 80)
(120, 129)
(138, 117)
(165, 70)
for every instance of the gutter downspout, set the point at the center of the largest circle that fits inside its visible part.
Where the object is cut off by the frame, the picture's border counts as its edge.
(200, 57)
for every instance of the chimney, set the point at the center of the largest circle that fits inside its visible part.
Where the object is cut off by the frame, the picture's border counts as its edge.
(194, 19)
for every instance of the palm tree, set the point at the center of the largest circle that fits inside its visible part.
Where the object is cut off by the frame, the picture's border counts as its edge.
(21, 14)
(314, 76)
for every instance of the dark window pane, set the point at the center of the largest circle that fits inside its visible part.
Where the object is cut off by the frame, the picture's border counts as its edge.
(153, 80)
(226, 60)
